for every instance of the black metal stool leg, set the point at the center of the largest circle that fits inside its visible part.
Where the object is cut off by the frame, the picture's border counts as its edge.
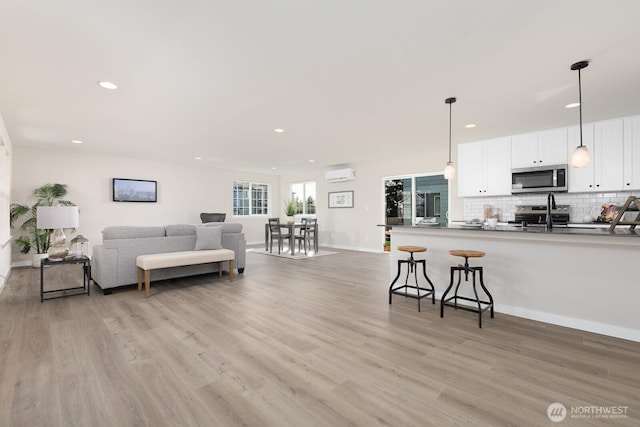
(486, 291)
(433, 289)
(394, 281)
(475, 292)
(443, 299)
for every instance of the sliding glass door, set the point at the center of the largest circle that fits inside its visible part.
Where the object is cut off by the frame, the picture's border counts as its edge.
(411, 199)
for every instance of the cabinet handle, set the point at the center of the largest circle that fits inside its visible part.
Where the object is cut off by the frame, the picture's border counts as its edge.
(628, 183)
(539, 161)
(590, 185)
(597, 185)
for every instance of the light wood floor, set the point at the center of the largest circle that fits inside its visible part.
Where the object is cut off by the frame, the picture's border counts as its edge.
(292, 343)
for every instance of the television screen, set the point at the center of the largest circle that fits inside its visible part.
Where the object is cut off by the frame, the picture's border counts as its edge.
(134, 190)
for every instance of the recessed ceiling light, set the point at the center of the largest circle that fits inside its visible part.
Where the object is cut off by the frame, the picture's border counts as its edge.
(274, 168)
(198, 158)
(470, 125)
(312, 161)
(76, 141)
(278, 130)
(572, 105)
(108, 85)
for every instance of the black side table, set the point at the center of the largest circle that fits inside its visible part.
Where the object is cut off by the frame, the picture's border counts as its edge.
(86, 277)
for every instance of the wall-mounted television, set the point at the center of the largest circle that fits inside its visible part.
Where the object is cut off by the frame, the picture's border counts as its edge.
(134, 190)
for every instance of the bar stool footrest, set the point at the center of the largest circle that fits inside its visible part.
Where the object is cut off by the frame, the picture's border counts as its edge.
(397, 291)
(466, 307)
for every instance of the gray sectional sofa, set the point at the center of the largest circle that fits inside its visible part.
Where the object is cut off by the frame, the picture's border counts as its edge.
(113, 263)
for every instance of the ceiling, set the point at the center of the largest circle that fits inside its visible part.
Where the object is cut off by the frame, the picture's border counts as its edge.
(348, 81)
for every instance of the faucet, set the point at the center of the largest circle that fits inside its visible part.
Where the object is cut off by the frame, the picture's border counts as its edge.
(551, 204)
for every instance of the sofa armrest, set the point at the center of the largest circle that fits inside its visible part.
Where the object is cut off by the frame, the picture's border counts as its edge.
(237, 243)
(104, 263)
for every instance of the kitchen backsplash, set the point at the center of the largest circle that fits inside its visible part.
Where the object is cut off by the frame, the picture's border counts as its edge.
(581, 203)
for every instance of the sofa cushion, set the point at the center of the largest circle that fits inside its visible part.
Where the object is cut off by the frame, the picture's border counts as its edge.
(181, 230)
(208, 238)
(132, 232)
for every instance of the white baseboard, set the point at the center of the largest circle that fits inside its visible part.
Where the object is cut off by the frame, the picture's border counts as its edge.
(21, 264)
(565, 321)
(571, 322)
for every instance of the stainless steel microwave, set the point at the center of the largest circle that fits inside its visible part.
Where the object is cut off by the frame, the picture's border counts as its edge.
(540, 179)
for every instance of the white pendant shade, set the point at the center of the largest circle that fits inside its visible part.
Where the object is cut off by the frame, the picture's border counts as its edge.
(580, 158)
(449, 171)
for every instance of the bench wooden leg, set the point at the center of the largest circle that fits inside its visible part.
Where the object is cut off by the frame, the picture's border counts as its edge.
(147, 282)
(139, 279)
(231, 270)
(220, 269)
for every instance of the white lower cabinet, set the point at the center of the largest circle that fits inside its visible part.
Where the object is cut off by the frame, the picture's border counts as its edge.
(484, 168)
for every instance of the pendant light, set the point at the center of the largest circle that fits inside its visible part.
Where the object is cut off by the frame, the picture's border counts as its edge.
(580, 158)
(449, 170)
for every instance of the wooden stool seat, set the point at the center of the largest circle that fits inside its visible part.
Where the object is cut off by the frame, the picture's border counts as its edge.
(467, 253)
(412, 249)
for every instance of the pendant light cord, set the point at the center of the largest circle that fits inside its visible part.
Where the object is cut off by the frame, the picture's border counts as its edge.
(579, 100)
(450, 104)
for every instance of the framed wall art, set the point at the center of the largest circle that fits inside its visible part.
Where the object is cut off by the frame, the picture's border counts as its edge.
(341, 199)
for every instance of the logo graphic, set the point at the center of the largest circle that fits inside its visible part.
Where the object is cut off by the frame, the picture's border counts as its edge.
(556, 412)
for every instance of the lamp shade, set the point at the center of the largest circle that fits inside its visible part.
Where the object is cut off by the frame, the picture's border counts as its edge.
(580, 158)
(449, 171)
(49, 217)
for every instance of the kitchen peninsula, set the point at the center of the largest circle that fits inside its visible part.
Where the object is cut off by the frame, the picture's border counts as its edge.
(579, 278)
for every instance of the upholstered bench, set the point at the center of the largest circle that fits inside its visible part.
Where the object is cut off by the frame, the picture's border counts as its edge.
(146, 263)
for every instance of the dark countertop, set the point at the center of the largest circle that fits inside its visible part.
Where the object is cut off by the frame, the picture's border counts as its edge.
(557, 230)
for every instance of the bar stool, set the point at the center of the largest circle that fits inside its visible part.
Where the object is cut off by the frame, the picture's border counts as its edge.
(412, 268)
(482, 305)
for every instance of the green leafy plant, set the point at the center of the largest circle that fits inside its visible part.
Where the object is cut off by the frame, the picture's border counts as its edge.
(32, 237)
(291, 207)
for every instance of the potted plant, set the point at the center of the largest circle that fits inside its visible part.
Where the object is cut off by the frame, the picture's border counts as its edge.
(290, 209)
(32, 237)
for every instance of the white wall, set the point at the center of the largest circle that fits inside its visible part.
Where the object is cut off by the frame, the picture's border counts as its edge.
(183, 192)
(357, 228)
(6, 156)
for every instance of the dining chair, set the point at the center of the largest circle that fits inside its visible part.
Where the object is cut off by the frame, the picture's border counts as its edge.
(307, 234)
(275, 232)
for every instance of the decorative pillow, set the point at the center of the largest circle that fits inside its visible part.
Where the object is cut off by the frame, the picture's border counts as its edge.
(208, 238)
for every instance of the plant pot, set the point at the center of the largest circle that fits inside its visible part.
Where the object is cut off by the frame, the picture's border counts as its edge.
(35, 260)
(291, 220)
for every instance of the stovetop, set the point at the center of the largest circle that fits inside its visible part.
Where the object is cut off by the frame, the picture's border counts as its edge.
(537, 215)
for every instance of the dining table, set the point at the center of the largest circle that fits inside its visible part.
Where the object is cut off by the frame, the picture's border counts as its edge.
(291, 228)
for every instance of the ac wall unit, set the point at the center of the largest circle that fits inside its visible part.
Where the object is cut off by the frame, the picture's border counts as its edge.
(340, 175)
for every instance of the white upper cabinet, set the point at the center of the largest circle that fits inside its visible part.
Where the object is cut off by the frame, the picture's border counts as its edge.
(552, 147)
(543, 148)
(524, 150)
(605, 144)
(632, 153)
(484, 168)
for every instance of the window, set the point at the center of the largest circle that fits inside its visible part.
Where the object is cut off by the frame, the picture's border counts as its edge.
(250, 198)
(305, 194)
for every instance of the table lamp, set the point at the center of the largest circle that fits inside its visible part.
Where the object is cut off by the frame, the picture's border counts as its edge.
(57, 218)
